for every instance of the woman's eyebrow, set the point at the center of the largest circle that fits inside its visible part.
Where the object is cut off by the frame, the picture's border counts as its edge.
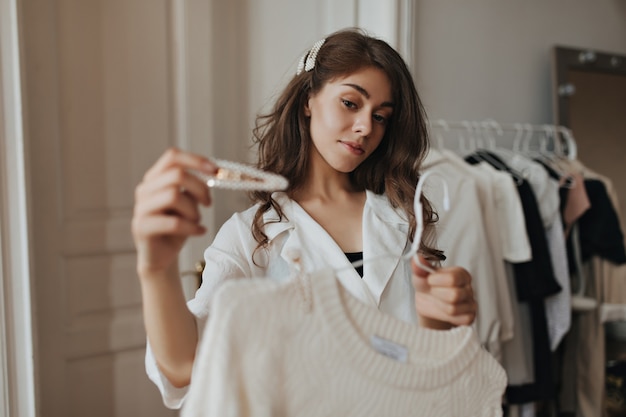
(364, 92)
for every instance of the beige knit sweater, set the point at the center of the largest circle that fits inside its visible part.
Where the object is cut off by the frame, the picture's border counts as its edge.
(308, 348)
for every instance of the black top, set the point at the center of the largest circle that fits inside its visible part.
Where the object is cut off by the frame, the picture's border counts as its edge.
(599, 227)
(353, 257)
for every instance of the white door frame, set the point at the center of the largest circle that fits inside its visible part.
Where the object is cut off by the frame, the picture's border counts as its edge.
(17, 384)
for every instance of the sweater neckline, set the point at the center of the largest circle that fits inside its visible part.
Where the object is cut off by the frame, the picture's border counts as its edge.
(435, 357)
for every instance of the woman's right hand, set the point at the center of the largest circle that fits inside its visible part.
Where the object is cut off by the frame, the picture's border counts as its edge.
(166, 209)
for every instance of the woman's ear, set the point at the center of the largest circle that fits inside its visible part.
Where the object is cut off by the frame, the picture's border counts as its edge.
(307, 109)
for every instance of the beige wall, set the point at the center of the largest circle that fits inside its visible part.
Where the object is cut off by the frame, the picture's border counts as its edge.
(477, 59)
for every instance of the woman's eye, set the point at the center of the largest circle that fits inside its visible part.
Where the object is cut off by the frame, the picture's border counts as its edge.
(348, 104)
(380, 119)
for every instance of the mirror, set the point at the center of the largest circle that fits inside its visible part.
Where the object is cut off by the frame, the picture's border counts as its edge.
(590, 99)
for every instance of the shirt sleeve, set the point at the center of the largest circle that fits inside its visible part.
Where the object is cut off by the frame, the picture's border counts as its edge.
(228, 257)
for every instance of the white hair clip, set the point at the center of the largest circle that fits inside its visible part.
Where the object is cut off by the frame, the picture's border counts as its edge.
(310, 57)
(237, 176)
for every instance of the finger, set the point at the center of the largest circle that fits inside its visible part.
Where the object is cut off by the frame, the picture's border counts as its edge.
(457, 314)
(421, 267)
(163, 225)
(169, 201)
(450, 277)
(448, 309)
(454, 295)
(178, 178)
(187, 160)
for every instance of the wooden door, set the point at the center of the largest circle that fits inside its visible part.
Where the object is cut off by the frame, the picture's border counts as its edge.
(101, 105)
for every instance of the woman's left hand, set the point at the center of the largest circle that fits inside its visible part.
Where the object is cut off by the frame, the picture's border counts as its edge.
(443, 298)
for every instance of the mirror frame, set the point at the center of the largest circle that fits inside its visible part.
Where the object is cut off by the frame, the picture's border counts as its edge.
(568, 58)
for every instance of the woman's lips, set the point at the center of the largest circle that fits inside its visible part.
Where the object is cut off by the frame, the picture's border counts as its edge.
(353, 147)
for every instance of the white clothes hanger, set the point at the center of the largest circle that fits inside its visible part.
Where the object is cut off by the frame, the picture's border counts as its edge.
(543, 153)
(444, 126)
(485, 139)
(518, 177)
(487, 126)
(547, 156)
(543, 142)
(569, 141)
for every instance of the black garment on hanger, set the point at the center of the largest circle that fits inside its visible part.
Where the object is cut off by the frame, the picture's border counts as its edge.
(543, 388)
(563, 184)
(551, 172)
(563, 194)
(599, 227)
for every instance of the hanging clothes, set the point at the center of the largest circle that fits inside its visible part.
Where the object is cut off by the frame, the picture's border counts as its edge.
(575, 280)
(545, 183)
(534, 279)
(534, 282)
(309, 348)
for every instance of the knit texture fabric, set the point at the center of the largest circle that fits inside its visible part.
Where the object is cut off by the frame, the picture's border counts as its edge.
(309, 348)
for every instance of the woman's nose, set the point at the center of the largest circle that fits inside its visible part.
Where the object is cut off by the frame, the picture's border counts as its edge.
(362, 124)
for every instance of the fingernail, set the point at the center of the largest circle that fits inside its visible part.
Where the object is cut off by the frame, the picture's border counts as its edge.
(209, 166)
(419, 263)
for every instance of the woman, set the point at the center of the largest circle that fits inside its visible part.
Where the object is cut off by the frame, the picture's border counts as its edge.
(349, 133)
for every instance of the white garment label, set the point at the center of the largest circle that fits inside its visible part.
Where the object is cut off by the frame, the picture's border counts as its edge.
(390, 349)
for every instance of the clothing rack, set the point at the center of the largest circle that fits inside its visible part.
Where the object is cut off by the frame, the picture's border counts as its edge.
(546, 139)
(565, 210)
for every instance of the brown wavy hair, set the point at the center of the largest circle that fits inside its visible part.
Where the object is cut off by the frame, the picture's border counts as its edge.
(284, 141)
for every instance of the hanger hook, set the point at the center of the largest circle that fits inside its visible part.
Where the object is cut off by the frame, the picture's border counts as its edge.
(480, 134)
(419, 216)
(556, 136)
(570, 142)
(549, 134)
(528, 137)
(519, 132)
(470, 134)
(462, 143)
(487, 123)
(438, 135)
(496, 125)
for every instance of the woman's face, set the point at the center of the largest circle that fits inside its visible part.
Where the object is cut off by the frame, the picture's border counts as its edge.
(349, 116)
